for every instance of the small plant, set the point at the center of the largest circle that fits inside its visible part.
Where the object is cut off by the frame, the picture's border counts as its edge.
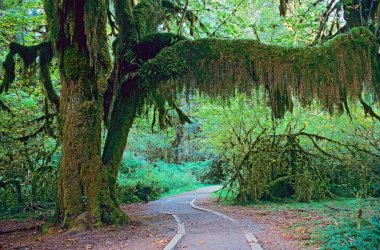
(346, 235)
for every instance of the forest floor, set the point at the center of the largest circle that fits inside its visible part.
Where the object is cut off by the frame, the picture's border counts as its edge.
(276, 226)
(143, 232)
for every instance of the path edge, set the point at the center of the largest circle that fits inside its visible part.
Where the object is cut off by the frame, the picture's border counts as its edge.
(250, 237)
(211, 211)
(180, 233)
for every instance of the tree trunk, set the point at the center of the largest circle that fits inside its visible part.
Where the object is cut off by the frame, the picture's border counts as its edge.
(126, 105)
(81, 133)
(78, 29)
(84, 191)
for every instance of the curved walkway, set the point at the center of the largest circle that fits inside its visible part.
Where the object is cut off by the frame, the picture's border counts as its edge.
(206, 229)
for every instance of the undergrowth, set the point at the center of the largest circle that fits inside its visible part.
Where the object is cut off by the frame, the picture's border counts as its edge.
(140, 180)
(353, 224)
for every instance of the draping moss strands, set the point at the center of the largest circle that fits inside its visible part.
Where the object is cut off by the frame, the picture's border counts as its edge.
(41, 54)
(345, 66)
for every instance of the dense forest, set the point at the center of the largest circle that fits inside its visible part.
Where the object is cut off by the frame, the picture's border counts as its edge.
(111, 102)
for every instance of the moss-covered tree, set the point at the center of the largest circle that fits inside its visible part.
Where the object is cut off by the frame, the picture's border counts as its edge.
(151, 67)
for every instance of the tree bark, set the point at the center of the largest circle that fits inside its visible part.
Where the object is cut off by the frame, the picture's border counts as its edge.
(125, 108)
(81, 132)
(84, 182)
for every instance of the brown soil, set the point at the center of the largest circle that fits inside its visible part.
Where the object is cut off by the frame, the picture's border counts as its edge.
(143, 232)
(290, 229)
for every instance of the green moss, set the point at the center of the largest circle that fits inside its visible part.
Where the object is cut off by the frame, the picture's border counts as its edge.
(96, 35)
(341, 67)
(46, 55)
(167, 65)
(52, 19)
(146, 17)
(29, 55)
(75, 64)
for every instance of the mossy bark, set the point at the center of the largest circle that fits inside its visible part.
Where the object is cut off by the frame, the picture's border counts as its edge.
(123, 115)
(84, 182)
(124, 97)
(81, 131)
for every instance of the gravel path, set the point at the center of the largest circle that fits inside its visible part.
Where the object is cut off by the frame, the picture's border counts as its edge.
(204, 230)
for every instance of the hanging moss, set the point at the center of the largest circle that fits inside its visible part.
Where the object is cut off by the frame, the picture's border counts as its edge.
(145, 16)
(9, 72)
(96, 35)
(344, 66)
(29, 55)
(46, 55)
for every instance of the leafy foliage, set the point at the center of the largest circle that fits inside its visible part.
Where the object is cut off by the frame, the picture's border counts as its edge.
(153, 166)
(29, 150)
(308, 155)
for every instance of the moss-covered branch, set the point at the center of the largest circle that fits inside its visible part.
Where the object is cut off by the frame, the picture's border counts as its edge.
(344, 66)
(152, 44)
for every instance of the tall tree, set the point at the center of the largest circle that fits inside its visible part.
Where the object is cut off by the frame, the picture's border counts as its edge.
(151, 67)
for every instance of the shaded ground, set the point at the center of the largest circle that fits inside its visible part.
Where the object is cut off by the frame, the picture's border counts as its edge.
(204, 230)
(144, 232)
(152, 229)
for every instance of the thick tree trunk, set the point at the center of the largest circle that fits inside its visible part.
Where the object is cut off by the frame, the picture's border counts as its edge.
(79, 32)
(84, 182)
(81, 132)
